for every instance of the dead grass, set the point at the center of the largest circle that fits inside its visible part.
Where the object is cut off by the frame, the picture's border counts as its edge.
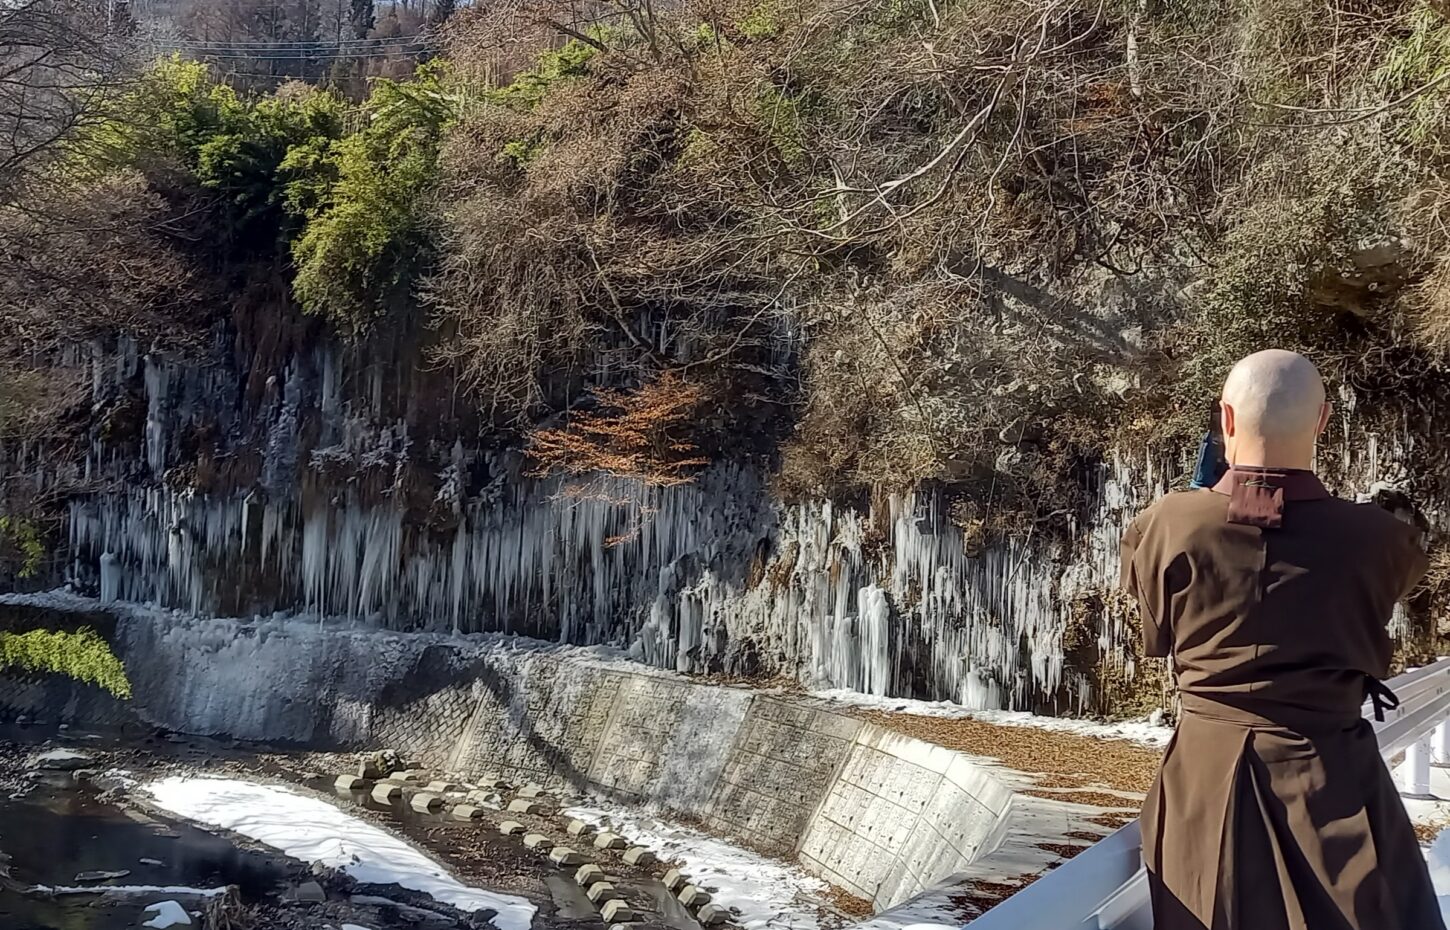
(1087, 798)
(1067, 759)
(842, 901)
(1113, 820)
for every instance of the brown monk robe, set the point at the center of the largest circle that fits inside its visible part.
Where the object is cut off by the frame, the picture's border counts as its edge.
(1273, 809)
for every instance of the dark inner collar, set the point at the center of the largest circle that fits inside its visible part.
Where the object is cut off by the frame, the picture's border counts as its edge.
(1257, 494)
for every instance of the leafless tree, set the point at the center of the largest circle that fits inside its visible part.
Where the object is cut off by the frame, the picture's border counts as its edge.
(59, 60)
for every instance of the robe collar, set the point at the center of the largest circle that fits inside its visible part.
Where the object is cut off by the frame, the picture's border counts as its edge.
(1257, 495)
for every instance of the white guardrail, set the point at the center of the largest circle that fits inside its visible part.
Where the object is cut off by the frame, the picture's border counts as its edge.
(1106, 888)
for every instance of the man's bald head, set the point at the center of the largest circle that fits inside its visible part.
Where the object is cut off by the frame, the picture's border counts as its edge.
(1274, 409)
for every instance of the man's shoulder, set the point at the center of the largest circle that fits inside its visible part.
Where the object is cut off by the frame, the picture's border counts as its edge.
(1185, 503)
(1364, 517)
(1178, 508)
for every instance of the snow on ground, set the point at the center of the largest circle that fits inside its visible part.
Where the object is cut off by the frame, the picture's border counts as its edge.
(127, 889)
(315, 831)
(59, 757)
(1439, 858)
(769, 895)
(168, 914)
(1147, 732)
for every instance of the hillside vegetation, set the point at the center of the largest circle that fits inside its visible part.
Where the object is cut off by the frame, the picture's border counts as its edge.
(887, 242)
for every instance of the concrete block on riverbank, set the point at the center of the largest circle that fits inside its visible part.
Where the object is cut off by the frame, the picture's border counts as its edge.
(350, 782)
(600, 892)
(563, 855)
(674, 881)
(616, 912)
(538, 841)
(424, 803)
(467, 812)
(524, 806)
(712, 915)
(638, 855)
(588, 875)
(694, 896)
(386, 791)
(580, 828)
(511, 828)
(610, 841)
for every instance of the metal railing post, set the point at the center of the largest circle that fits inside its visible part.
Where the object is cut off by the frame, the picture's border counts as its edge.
(1440, 744)
(1416, 774)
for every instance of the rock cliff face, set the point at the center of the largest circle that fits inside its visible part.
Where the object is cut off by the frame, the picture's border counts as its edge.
(251, 481)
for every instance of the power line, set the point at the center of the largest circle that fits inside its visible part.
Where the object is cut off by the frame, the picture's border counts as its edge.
(349, 56)
(312, 52)
(303, 43)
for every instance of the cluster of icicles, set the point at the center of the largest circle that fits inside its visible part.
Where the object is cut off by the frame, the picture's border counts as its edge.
(712, 575)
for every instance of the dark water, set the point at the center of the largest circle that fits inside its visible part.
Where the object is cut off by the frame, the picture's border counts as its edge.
(55, 833)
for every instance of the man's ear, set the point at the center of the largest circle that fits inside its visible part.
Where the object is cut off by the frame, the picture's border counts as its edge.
(1324, 414)
(1226, 413)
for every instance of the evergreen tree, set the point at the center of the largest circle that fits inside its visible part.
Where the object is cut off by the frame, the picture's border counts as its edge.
(442, 9)
(363, 18)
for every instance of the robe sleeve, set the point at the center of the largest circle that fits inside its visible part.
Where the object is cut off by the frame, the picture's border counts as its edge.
(1157, 635)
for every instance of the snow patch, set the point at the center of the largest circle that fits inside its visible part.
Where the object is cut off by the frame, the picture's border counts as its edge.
(168, 914)
(1147, 731)
(126, 889)
(769, 895)
(59, 758)
(316, 831)
(1439, 859)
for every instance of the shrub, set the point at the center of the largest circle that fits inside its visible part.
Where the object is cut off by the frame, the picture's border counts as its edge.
(366, 236)
(83, 655)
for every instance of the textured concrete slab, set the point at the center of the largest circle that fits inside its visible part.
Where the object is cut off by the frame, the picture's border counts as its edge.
(525, 806)
(616, 911)
(511, 828)
(588, 875)
(599, 892)
(538, 841)
(563, 855)
(638, 855)
(610, 841)
(423, 802)
(350, 782)
(694, 896)
(385, 791)
(467, 812)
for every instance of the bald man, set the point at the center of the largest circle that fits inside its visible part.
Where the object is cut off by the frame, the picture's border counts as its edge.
(1273, 809)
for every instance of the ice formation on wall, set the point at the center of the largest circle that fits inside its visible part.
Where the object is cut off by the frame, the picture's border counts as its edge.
(296, 499)
(707, 577)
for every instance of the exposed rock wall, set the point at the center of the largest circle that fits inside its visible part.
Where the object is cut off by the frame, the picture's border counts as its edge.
(335, 484)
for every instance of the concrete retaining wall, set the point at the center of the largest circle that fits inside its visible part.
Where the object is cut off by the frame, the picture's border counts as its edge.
(877, 813)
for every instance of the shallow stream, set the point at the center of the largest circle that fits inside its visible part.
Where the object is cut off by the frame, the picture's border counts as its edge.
(56, 833)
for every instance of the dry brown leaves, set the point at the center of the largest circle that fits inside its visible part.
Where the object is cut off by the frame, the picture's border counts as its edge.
(630, 435)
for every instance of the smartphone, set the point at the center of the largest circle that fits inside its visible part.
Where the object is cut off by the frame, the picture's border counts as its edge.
(1211, 460)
